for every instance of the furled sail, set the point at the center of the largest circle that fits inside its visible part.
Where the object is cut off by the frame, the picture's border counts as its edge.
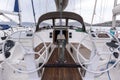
(64, 4)
(16, 6)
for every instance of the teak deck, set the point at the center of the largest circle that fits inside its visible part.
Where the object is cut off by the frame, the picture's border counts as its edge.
(61, 73)
(85, 52)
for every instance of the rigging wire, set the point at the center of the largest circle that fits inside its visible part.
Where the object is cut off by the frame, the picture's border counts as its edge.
(94, 11)
(105, 7)
(46, 5)
(34, 15)
(40, 10)
(7, 4)
(39, 5)
(101, 9)
(80, 6)
(75, 5)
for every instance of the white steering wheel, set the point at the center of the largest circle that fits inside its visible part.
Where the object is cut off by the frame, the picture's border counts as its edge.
(40, 55)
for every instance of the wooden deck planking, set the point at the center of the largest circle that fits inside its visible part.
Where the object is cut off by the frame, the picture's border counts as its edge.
(83, 50)
(37, 48)
(61, 73)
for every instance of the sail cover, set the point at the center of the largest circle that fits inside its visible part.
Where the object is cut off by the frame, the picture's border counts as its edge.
(4, 26)
(116, 10)
(16, 6)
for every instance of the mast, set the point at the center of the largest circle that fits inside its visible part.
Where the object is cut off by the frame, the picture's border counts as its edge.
(19, 14)
(60, 4)
(17, 8)
(114, 15)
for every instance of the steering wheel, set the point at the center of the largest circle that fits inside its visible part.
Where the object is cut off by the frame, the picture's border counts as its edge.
(93, 57)
(43, 58)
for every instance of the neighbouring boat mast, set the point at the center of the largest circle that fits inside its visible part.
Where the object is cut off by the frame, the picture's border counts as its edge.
(115, 12)
(94, 11)
(17, 9)
(34, 15)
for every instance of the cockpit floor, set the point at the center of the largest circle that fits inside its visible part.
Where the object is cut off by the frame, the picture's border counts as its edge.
(59, 73)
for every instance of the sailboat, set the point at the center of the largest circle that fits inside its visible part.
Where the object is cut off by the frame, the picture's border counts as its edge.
(59, 51)
(5, 27)
(10, 25)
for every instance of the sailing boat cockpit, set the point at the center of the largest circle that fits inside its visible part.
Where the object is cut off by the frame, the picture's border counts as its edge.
(57, 50)
(53, 47)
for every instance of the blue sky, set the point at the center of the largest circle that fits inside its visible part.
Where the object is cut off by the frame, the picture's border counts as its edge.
(82, 7)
